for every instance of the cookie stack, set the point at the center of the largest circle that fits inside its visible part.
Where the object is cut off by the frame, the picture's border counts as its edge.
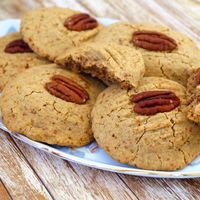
(134, 88)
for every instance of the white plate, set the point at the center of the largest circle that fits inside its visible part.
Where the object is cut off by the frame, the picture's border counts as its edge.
(91, 155)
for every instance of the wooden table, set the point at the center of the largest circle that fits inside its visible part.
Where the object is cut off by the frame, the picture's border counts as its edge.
(28, 173)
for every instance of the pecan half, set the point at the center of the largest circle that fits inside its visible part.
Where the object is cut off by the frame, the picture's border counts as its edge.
(152, 102)
(80, 22)
(17, 46)
(66, 89)
(154, 41)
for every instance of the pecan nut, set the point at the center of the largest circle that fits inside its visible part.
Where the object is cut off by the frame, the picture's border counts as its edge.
(152, 102)
(66, 89)
(17, 46)
(154, 41)
(80, 22)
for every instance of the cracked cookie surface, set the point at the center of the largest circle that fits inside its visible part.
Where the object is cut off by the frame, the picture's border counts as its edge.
(112, 63)
(193, 94)
(43, 29)
(12, 64)
(172, 65)
(163, 141)
(29, 109)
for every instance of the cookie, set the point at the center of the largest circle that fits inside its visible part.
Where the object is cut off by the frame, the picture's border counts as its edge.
(193, 94)
(146, 127)
(52, 31)
(15, 57)
(50, 104)
(111, 63)
(167, 53)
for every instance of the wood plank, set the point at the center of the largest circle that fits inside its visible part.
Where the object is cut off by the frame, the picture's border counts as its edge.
(110, 182)
(190, 7)
(19, 179)
(15, 9)
(152, 188)
(4, 195)
(172, 17)
(176, 10)
(71, 181)
(123, 10)
(186, 189)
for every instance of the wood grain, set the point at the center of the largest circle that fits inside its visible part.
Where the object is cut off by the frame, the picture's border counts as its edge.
(4, 195)
(18, 177)
(16, 8)
(151, 188)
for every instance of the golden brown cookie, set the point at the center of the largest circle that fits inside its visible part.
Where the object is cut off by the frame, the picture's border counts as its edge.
(167, 53)
(111, 63)
(50, 104)
(15, 57)
(52, 31)
(146, 127)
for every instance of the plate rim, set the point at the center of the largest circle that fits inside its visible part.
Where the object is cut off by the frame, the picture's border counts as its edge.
(95, 164)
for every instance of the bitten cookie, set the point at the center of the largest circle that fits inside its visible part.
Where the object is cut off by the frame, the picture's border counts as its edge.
(50, 104)
(167, 53)
(193, 94)
(52, 31)
(112, 63)
(147, 127)
(15, 57)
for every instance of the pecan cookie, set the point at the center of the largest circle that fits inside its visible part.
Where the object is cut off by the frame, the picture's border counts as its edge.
(50, 104)
(112, 63)
(167, 53)
(146, 127)
(15, 57)
(52, 31)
